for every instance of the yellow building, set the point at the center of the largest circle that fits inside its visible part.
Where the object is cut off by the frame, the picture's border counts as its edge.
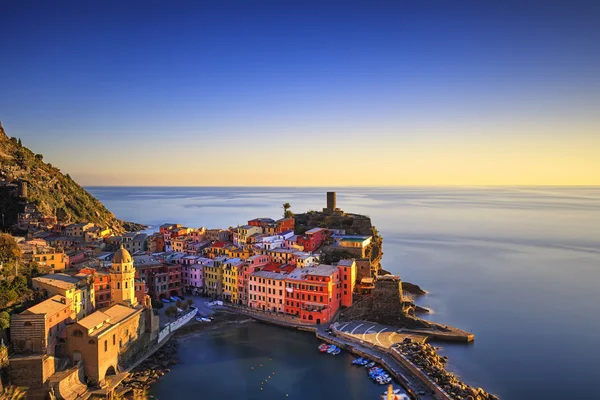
(213, 278)
(122, 279)
(230, 279)
(247, 230)
(237, 252)
(46, 256)
(78, 290)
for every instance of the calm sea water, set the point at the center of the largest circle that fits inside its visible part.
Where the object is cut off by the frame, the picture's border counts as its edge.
(520, 267)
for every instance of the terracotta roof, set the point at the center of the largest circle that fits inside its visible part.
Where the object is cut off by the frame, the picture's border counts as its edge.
(272, 267)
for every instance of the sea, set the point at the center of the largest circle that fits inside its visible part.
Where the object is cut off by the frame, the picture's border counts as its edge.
(517, 266)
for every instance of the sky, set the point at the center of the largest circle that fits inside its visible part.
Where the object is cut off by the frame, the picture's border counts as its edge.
(303, 93)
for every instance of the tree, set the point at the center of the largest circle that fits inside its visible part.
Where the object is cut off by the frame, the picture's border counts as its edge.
(286, 210)
(189, 302)
(178, 304)
(171, 312)
(19, 142)
(12, 393)
(39, 157)
(9, 249)
(4, 320)
(185, 306)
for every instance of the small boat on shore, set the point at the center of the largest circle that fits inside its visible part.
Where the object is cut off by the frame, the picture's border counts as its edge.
(370, 365)
(331, 349)
(357, 361)
(323, 348)
(336, 351)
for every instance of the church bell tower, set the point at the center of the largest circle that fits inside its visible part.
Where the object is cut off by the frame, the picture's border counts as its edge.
(122, 279)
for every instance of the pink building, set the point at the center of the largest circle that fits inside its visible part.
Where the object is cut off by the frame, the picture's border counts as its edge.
(266, 288)
(192, 274)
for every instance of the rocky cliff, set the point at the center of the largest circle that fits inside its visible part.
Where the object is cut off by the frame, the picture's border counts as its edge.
(26, 178)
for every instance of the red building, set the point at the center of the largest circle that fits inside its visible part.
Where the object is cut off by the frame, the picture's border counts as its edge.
(261, 222)
(140, 290)
(313, 239)
(285, 225)
(312, 293)
(101, 286)
(160, 279)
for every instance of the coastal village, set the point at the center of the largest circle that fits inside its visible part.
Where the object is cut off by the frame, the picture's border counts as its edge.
(98, 295)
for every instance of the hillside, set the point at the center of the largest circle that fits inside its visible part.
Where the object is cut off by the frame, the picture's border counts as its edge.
(53, 193)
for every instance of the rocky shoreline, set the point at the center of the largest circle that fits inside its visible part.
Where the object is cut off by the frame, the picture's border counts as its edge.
(425, 357)
(137, 384)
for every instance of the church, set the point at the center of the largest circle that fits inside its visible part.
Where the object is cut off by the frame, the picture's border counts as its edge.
(108, 339)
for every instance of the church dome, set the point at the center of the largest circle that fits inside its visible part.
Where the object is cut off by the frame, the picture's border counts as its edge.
(121, 256)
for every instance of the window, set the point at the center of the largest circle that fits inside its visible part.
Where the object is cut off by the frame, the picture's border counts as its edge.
(28, 323)
(118, 285)
(114, 339)
(105, 346)
(77, 333)
(91, 341)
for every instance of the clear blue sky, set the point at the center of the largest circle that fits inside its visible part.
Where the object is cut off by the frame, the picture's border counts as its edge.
(254, 92)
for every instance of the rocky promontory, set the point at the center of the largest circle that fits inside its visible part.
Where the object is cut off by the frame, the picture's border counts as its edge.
(429, 361)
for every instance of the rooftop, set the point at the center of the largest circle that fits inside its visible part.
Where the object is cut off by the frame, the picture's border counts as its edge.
(100, 321)
(52, 305)
(346, 263)
(263, 220)
(62, 281)
(323, 270)
(314, 230)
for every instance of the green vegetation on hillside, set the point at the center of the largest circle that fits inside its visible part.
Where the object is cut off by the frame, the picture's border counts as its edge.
(54, 193)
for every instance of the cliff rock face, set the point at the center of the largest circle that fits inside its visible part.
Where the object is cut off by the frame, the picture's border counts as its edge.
(385, 306)
(24, 177)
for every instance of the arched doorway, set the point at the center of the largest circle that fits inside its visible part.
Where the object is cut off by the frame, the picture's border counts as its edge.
(110, 371)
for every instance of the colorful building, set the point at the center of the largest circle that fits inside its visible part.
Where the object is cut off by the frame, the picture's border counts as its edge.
(285, 225)
(312, 239)
(37, 329)
(78, 290)
(244, 232)
(347, 281)
(231, 269)
(213, 278)
(261, 222)
(101, 286)
(266, 288)
(312, 293)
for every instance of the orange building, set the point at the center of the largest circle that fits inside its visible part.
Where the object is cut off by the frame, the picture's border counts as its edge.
(347, 280)
(37, 329)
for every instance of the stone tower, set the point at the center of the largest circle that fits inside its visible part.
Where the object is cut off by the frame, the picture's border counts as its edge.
(331, 201)
(122, 279)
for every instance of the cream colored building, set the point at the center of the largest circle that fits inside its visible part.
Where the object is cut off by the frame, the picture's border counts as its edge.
(78, 290)
(122, 279)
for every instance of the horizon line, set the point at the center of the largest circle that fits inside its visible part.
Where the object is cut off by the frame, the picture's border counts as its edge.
(343, 186)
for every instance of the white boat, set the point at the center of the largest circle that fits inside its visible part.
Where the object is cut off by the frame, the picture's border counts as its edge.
(331, 349)
(393, 391)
